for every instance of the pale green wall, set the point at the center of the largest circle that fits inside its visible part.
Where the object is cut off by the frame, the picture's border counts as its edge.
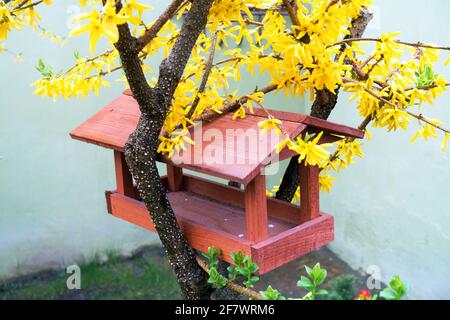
(391, 208)
(52, 205)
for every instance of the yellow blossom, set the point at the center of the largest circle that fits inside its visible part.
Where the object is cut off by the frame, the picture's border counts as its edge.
(326, 182)
(394, 119)
(270, 124)
(311, 152)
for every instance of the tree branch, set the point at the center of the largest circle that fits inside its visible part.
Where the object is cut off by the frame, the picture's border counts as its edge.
(211, 115)
(127, 48)
(172, 68)
(208, 68)
(23, 5)
(410, 44)
(152, 32)
(291, 12)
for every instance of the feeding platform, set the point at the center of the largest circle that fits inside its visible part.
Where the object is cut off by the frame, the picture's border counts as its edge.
(272, 232)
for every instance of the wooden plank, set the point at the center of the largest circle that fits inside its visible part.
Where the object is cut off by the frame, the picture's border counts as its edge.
(217, 215)
(309, 192)
(334, 127)
(326, 137)
(174, 178)
(203, 229)
(313, 122)
(111, 126)
(198, 236)
(256, 209)
(124, 180)
(214, 190)
(277, 209)
(294, 243)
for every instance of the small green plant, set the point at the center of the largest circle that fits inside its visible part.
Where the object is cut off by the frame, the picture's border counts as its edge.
(316, 277)
(247, 269)
(244, 266)
(215, 278)
(272, 294)
(238, 259)
(396, 289)
(342, 287)
(212, 256)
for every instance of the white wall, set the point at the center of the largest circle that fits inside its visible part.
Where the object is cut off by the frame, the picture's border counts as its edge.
(52, 205)
(392, 207)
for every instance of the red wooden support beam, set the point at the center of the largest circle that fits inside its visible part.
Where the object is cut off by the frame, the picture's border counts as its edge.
(309, 192)
(256, 209)
(124, 180)
(174, 178)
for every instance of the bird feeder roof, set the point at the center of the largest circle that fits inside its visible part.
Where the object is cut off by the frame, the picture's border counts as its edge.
(225, 148)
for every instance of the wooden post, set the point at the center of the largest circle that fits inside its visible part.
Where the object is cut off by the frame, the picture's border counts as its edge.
(256, 209)
(174, 178)
(124, 180)
(309, 192)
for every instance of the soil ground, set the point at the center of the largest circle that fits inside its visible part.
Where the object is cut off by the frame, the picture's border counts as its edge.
(147, 275)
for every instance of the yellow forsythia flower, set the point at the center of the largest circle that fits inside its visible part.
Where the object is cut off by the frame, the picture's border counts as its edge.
(270, 124)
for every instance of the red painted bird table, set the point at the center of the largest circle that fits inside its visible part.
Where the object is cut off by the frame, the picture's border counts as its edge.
(233, 219)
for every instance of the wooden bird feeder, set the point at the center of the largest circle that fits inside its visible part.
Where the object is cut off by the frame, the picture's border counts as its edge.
(272, 232)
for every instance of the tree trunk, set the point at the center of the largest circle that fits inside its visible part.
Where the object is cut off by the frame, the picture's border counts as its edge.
(141, 147)
(140, 153)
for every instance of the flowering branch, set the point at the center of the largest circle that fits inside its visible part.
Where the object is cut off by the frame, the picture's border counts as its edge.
(152, 32)
(410, 44)
(208, 68)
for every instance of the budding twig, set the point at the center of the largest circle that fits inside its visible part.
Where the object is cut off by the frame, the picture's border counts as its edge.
(232, 285)
(411, 44)
(208, 68)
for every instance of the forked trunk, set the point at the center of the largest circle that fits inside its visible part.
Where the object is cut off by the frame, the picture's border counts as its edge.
(140, 153)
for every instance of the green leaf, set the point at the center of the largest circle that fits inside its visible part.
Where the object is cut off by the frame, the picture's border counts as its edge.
(272, 294)
(308, 270)
(238, 258)
(232, 273)
(216, 279)
(426, 77)
(305, 283)
(241, 271)
(397, 289)
(322, 292)
(321, 276)
(211, 256)
(388, 294)
(44, 70)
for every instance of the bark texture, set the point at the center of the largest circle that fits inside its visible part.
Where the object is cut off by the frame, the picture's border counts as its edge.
(322, 107)
(141, 148)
